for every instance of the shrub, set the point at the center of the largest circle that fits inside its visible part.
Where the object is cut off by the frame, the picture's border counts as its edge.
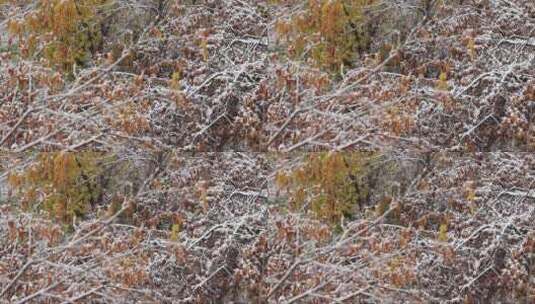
(63, 184)
(65, 32)
(331, 185)
(331, 32)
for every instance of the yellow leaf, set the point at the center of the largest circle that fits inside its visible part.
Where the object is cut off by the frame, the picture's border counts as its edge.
(442, 83)
(471, 195)
(174, 83)
(175, 231)
(471, 48)
(204, 49)
(443, 232)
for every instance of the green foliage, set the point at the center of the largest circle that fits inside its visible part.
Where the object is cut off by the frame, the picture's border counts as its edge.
(331, 32)
(64, 32)
(63, 184)
(331, 185)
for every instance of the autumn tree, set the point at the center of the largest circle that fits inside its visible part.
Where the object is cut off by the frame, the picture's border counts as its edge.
(331, 33)
(334, 185)
(65, 185)
(64, 32)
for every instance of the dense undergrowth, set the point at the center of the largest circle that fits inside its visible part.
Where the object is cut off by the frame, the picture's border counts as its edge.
(202, 151)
